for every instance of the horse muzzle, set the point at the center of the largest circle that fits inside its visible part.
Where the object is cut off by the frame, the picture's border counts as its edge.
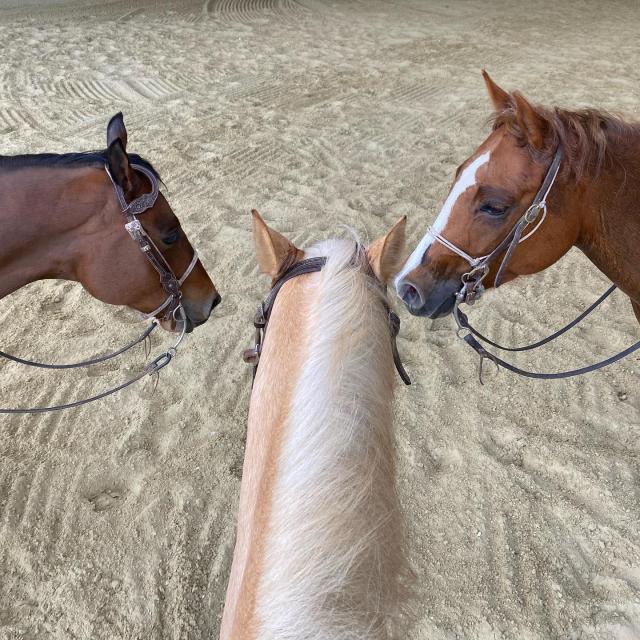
(198, 314)
(434, 301)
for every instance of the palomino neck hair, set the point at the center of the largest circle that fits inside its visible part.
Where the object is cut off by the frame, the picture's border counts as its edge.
(335, 562)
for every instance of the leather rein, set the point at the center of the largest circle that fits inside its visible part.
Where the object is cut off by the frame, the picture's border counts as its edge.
(311, 265)
(172, 306)
(472, 289)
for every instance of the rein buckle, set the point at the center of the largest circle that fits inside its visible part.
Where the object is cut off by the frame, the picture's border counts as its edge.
(472, 287)
(469, 294)
(259, 320)
(252, 356)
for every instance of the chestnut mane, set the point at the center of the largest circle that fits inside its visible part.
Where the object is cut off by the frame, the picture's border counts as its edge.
(590, 138)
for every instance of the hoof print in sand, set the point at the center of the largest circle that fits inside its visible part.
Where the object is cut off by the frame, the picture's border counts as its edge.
(106, 499)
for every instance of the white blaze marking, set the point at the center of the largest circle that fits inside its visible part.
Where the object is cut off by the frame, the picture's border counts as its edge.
(467, 179)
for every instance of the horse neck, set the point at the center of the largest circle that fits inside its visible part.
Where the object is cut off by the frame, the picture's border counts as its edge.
(45, 208)
(607, 206)
(320, 550)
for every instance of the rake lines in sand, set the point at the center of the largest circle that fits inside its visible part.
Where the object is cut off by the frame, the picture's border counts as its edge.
(84, 102)
(39, 500)
(299, 92)
(250, 161)
(539, 481)
(11, 120)
(232, 168)
(175, 579)
(512, 563)
(86, 89)
(248, 11)
(540, 576)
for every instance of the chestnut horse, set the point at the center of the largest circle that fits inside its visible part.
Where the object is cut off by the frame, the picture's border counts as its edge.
(63, 218)
(319, 550)
(588, 163)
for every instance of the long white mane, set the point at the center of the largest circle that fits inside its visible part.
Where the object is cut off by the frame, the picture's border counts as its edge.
(335, 566)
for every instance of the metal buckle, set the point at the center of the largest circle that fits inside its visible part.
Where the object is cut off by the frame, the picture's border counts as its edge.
(252, 356)
(259, 321)
(135, 229)
(159, 363)
(533, 212)
(474, 293)
(472, 287)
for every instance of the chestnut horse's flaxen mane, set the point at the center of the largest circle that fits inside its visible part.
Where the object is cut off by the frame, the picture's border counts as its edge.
(589, 137)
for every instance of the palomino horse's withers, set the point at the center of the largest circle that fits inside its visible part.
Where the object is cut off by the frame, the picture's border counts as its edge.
(583, 167)
(76, 217)
(319, 550)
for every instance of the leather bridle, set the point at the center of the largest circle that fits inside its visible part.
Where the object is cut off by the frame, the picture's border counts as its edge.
(472, 287)
(172, 306)
(313, 265)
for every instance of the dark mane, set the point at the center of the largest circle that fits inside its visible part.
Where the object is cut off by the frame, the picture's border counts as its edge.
(590, 138)
(79, 159)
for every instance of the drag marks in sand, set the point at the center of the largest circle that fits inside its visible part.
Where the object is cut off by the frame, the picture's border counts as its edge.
(117, 521)
(250, 11)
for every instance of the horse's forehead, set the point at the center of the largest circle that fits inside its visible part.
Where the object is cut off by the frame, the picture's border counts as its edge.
(491, 149)
(506, 155)
(505, 163)
(161, 214)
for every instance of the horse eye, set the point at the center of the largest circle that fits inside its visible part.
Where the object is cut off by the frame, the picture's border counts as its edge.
(493, 210)
(172, 238)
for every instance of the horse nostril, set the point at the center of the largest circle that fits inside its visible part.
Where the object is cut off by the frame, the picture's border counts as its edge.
(411, 296)
(216, 301)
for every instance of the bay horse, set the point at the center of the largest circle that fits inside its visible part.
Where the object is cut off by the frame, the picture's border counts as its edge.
(64, 217)
(319, 551)
(582, 166)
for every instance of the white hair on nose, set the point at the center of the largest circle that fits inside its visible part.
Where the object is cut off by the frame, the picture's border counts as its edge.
(466, 179)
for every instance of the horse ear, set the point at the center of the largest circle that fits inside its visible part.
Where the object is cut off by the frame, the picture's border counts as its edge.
(386, 254)
(533, 124)
(499, 97)
(116, 130)
(119, 166)
(272, 248)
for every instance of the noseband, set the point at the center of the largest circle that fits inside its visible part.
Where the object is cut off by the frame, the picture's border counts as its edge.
(472, 287)
(172, 306)
(312, 265)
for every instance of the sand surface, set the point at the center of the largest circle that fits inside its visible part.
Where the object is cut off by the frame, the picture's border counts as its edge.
(523, 498)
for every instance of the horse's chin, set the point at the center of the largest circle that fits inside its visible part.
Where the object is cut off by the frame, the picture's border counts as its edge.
(168, 325)
(174, 327)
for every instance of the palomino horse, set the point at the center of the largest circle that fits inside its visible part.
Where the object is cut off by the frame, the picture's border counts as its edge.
(64, 217)
(584, 166)
(319, 550)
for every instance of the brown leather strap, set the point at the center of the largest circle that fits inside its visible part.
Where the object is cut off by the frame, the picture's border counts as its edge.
(394, 323)
(168, 280)
(263, 313)
(83, 363)
(472, 281)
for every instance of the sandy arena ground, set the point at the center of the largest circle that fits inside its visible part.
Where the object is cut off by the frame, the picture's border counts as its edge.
(523, 498)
